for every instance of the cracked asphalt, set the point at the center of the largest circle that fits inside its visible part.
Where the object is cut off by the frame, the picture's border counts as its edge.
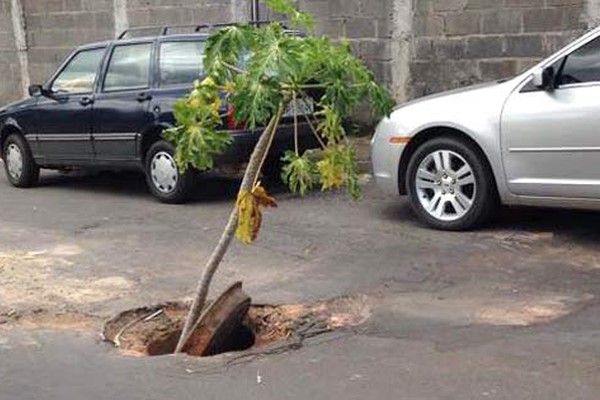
(507, 312)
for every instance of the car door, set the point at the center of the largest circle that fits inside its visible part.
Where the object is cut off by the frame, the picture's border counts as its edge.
(64, 118)
(180, 63)
(121, 107)
(551, 138)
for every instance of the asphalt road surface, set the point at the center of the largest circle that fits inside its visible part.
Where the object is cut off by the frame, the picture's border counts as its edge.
(508, 312)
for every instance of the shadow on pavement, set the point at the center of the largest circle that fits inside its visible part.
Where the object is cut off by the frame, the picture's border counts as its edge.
(582, 227)
(577, 225)
(133, 184)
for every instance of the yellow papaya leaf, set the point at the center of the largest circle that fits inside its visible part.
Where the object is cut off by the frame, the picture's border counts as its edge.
(195, 102)
(194, 94)
(208, 82)
(229, 87)
(332, 175)
(216, 106)
(250, 206)
(245, 229)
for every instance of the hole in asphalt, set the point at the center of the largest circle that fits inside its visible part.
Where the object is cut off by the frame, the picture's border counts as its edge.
(154, 331)
(242, 338)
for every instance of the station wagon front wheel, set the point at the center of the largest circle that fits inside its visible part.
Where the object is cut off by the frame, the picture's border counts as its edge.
(449, 185)
(163, 177)
(19, 165)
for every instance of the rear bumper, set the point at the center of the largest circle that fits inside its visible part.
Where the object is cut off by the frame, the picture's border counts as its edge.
(244, 141)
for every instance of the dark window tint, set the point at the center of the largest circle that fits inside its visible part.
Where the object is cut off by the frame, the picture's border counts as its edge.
(582, 65)
(80, 73)
(181, 62)
(129, 67)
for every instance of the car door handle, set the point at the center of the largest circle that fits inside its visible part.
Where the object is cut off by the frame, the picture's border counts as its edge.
(86, 101)
(144, 97)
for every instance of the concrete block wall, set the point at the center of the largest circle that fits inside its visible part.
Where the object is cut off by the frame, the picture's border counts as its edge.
(367, 24)
(181, 12)
(416, 47)
(460, 42)
(56, 27)
(10, 80)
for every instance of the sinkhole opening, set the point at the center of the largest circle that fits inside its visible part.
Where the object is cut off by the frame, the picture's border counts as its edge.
(155, 330)
(242, 338)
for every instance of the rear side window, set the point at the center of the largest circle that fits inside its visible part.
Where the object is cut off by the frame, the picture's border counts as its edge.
(583, 65)
(129, 67)
(80, 73)
(181, 62)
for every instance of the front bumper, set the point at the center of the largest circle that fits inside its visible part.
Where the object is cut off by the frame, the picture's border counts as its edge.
(385, 157)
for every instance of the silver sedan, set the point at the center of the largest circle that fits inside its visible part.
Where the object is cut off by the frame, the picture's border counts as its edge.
(531, 140)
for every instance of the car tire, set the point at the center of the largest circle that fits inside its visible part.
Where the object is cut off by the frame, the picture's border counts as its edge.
(165, 181)
(450, 185)
(19, 164)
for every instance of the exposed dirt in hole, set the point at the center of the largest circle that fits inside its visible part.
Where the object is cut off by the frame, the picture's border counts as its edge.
(146, 330)
(149, 331)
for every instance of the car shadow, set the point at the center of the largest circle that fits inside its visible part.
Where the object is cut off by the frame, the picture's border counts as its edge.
(582, 227)
(207, 188)
(128, 183)
(401, 212)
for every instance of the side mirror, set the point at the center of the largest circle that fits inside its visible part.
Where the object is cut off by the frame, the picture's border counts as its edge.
(39, 90)
(35, 90)
(544, 78)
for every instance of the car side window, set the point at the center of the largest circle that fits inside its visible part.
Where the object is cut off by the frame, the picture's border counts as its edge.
(79, 75)
(129, 67)
(583, 65)
(181, 62)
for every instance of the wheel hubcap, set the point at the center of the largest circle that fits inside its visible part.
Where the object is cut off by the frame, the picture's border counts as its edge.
(164, 172)
(14, 161)
(445, 185)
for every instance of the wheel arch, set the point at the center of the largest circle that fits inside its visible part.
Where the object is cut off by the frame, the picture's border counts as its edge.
(7, 130)
(149, 137)
(435, 132)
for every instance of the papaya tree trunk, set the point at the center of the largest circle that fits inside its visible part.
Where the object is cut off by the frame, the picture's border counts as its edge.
(251, 175)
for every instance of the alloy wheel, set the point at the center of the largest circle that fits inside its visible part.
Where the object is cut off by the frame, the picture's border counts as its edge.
(445, 185)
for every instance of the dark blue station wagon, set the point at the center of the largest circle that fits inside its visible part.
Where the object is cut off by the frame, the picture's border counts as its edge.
(107, 106)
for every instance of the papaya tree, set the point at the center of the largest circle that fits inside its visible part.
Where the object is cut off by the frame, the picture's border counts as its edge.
(259, 71)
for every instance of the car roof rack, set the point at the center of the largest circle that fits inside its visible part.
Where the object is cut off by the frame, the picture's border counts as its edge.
(164, 29)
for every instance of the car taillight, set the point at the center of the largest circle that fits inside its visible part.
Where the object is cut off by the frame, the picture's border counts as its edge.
(231, 123)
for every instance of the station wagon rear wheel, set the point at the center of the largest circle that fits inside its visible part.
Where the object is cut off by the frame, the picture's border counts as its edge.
(163, 177)
(163, 172)
(449, 184)
(19, 165)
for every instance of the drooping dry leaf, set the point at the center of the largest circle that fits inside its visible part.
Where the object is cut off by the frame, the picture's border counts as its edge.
(250, 206)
